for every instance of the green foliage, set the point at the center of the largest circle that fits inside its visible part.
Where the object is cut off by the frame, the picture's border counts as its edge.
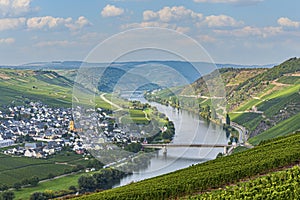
(8, 195)
(133, 147)
(102, 180)
(227, 119)
(87, 183)
(211, 174)
(33, 181)
(17, 185)
(279, 185)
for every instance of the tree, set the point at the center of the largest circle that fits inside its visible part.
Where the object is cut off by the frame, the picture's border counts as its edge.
(86, 183)
(34, 181)
(17, 186)
(3, 187)
(50, 176)
(227, 119)
(8, 195)
(25, 181)
(38, 196)
(73, 188)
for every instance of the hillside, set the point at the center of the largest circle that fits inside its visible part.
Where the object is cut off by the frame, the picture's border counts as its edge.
(258, 99)
(211, 174)
(281, 185)
(19, 86)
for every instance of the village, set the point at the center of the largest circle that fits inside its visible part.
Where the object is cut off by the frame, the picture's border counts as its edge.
(38, 131)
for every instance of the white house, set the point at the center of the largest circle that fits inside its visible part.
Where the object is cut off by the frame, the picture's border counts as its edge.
(6, 143)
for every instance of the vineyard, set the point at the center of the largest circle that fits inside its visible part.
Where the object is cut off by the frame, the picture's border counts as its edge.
(212, 174)
(279, 185)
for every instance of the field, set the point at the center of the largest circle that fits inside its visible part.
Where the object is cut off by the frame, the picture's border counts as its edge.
(283, 128)
(12, 168)
(55, 185)
(212, 174)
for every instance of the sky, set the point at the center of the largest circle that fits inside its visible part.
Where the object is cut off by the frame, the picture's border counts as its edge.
(230, 31)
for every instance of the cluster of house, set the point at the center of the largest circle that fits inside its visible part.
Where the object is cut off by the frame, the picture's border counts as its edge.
(51, 129)
(100, 129)
(48, 129)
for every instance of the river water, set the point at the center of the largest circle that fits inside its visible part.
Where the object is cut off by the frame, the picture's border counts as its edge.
(189, 129)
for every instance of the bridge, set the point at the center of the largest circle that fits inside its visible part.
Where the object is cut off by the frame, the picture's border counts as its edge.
(170, 145)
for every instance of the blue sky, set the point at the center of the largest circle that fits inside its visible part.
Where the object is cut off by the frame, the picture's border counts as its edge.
(231, 31)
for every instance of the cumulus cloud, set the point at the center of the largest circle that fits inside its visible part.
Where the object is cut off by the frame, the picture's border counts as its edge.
(13, 8)
(111, 11)
(284, 21)
(80, 23)
(245, 2)
(7, 40)
(221, 21)
(49, 22)
(11, 23)
(174, 13)
(252, 31)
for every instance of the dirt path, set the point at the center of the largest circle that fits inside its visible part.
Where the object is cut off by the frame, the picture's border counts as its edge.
(111, 103)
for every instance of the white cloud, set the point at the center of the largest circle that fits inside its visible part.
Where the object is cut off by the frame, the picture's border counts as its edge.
(206, 38)
(221, 21)
(80, 23)
(62, 43)
(111, 11)
(49, 22)
(11, 23)
(229, 1)
(183, 29)
(148, 24)
(13, 8)
(149, 15)
(7, 40)
(284, 21)
(174, 13)
(252, 31)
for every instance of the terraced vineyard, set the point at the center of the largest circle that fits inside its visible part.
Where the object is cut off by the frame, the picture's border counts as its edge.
(212, 174)
(12, 168)
(280, 185)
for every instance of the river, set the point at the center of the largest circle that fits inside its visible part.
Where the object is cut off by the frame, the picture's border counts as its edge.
(189, 128)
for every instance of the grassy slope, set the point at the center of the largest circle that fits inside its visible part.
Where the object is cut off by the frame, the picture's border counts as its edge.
(211, 174)
(54, 185)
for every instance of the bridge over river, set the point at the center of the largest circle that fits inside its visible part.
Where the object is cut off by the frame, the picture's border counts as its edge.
(170, 145)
